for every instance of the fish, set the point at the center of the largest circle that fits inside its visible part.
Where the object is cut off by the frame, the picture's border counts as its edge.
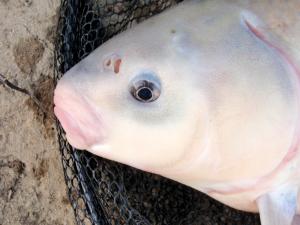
(203, 93)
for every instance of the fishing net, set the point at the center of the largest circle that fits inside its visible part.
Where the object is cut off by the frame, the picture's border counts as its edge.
(103, 192)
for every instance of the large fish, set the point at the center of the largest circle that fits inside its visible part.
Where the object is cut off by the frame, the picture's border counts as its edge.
(203, 94)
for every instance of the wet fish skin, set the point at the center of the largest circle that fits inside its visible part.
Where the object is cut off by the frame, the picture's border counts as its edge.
(226, 120)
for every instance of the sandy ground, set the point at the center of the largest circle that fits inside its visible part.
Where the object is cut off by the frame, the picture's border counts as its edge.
(32, 188)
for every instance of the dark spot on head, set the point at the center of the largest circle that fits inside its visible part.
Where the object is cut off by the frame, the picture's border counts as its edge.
(173, 31)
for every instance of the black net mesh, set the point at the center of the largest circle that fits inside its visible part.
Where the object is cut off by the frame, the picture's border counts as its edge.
(104, 192)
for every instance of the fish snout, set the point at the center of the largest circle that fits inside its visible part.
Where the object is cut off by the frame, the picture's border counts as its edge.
(82, 122)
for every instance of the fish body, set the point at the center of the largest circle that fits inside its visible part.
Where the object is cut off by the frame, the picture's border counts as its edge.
(203, 94)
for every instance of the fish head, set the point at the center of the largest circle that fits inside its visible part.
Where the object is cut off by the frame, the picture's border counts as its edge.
(115, 102)
(196, 93)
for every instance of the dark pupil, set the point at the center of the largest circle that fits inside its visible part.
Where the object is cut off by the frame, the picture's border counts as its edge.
(145, 93)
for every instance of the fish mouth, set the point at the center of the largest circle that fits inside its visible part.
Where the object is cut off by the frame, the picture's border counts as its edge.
(74, 133)
(83, 124)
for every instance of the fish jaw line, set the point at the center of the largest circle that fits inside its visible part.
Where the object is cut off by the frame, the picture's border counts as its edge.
(263, 184)
(83, 124)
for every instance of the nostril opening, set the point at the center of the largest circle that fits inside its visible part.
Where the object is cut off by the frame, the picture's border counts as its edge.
(117, 65)
(113, 63)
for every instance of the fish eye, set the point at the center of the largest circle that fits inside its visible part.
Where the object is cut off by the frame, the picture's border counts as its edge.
(145, 90)
(144, 94)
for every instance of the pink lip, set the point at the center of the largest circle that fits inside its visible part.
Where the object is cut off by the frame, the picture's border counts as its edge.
(81, 121)
(73, 131)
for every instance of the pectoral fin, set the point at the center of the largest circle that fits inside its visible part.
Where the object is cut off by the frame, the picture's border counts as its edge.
(296, 220)
(279, 207)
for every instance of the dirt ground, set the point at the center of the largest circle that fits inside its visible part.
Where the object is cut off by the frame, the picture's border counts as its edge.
(32, 187)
